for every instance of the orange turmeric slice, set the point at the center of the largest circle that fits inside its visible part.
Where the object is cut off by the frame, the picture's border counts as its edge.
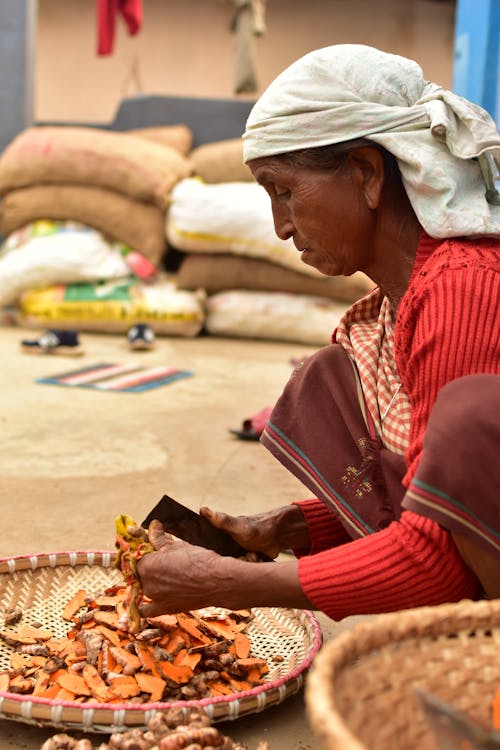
(74, 683)
(124, 686)
(153, 685)
(496, 709)
(74, 604)
(97, 686)
(242, 645)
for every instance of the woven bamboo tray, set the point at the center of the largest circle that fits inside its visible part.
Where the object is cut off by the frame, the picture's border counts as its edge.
(360, 691)
(42, 584)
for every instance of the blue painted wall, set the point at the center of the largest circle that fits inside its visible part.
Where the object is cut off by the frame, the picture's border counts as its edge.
(476, 72)
(17, 31)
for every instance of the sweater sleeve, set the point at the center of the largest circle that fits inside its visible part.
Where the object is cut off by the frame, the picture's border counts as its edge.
(325, 529)
(411, 563)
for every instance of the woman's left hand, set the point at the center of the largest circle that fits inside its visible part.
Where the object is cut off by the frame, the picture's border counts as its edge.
(177, 576)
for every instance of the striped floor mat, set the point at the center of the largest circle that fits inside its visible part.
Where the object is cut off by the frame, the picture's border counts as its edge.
(128, 378)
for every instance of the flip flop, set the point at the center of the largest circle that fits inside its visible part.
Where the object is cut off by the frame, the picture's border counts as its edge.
(141, 336)
(54, 341)
(252, 428)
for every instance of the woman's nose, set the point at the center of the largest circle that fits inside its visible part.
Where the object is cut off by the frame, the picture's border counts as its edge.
(282, 224)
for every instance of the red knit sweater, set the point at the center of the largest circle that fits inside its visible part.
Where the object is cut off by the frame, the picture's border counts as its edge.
(447, 326)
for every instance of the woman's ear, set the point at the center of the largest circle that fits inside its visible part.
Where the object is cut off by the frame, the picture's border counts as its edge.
(367, 167)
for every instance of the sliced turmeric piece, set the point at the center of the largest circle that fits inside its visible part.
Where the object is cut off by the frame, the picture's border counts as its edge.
(251, 662)
(164, 621)
(42, 683)
(109, 619)
(254, 676)
(74, 683)
(20, 661)
(64, 695)
(124, 686)
(187, 623)
(220, 628)
(496, 709)
(178, 673)
(50, 692)
(97, 686)
(184, 658)
(111, 635)
(148, 662)
(174, 642)
(150, 684)
(74, 604)
(20, 684)
(28, 631)
(242, 645)
(218, 686)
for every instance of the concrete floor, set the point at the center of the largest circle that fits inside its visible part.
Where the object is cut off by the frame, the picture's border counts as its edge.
(72, 459)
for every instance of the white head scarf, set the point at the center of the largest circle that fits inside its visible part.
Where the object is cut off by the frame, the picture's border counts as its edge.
(447, 148)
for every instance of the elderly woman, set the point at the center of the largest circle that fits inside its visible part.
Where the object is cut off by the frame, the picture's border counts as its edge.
(395, 426)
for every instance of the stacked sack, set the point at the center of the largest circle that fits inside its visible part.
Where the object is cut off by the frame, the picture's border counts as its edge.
(118, 183)
(257, 285)
(95, 193)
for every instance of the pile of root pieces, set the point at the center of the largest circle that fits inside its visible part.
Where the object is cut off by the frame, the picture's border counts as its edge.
(187, 656)
(166, 731)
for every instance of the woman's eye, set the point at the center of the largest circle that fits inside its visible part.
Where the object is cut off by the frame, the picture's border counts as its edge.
(281, 192)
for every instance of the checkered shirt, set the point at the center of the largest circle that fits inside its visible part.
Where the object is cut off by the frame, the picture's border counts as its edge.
(366, 332)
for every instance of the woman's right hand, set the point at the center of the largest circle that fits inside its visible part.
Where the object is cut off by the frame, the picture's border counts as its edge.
(268, 533)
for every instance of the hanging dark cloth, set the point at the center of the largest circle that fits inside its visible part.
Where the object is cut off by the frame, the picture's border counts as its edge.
(107, 12)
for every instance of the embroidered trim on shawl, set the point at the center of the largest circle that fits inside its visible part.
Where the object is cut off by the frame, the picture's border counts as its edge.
(302, 467)
(428, 497)
(366, 332)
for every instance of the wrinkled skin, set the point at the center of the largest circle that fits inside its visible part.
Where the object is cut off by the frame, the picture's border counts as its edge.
(179, 576)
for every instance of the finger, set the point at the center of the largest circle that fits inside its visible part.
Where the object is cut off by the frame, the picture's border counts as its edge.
(157, 536)
(151, 610)
(218, 519)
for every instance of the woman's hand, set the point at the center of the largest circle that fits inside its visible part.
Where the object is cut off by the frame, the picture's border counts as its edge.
(177, 576)
(268, 533)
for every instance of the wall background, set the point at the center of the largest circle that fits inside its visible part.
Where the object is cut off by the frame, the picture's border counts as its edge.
(185, 48)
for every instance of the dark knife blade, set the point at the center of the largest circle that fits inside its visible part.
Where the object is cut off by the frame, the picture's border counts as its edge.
(188, 525)
(452, 729)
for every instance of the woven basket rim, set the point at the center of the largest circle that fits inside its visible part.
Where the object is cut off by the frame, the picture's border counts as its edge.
(419, 622)
(225, 706)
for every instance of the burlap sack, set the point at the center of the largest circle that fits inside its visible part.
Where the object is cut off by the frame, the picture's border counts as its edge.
(138, 225)
(217, 273)
(130, 165)
(179, 137)
(221, 161)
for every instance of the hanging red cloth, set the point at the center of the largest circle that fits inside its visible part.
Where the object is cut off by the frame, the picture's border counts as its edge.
(107, 11)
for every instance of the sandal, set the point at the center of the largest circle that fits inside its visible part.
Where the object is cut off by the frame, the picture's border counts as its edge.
(55, 341)
(141, 336)
(253, 427)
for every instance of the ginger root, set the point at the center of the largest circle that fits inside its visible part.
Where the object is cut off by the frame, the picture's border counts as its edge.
(132, 543)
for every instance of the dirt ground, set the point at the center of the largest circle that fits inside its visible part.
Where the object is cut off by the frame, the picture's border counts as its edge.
(74, 458)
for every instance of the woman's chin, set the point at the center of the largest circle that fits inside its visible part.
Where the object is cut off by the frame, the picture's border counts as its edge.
(320, 264)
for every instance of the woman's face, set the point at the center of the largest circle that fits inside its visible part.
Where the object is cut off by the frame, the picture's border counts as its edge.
(324, 211)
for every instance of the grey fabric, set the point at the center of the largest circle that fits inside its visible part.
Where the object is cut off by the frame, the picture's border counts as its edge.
(447, 148)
